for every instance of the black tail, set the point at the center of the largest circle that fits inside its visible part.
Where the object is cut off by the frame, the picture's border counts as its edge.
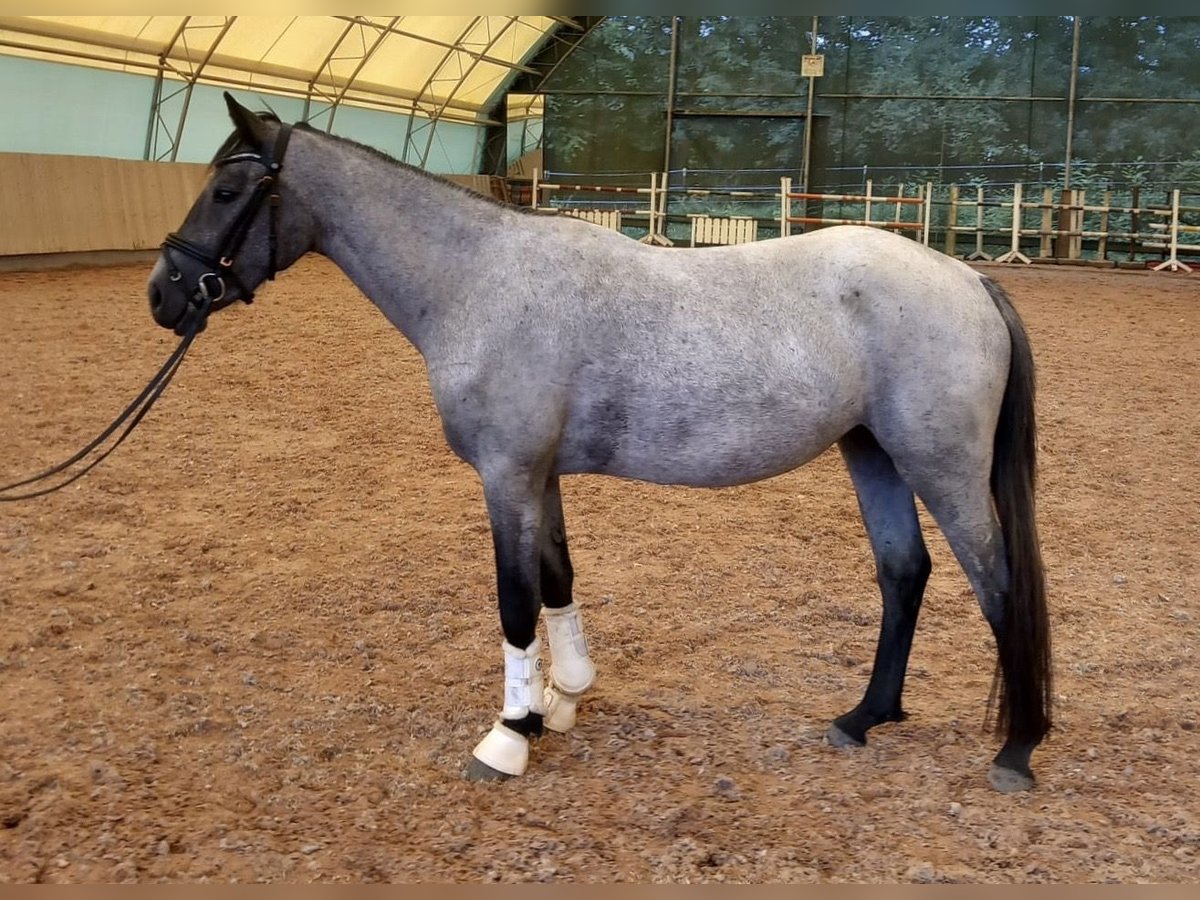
(1024, 669)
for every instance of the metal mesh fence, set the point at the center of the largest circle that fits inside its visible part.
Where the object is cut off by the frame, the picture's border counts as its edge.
(719, 103)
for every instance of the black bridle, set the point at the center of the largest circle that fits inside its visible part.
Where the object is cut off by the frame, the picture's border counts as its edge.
(211, 285)
(210, 295)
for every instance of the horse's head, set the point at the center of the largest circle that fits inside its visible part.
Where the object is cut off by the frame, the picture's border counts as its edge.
(241, 230)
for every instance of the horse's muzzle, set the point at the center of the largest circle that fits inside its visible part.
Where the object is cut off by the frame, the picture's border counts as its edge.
(168, 300)
(170, 303)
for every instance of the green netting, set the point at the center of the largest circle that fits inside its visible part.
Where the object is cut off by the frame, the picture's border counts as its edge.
(955, 100)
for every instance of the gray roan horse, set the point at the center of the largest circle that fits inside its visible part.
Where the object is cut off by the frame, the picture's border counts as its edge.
(555, 347)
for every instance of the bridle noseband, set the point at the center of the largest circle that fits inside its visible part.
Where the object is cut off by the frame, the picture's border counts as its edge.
(211, 286)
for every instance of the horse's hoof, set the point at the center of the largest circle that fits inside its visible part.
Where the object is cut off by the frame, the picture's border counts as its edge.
(481, 771)
(839, 738)
(1009, 781)
(501, 754)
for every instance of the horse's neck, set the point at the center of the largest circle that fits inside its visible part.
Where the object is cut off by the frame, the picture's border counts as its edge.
(406, 241)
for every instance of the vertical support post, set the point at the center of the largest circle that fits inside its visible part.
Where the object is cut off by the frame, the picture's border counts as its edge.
(673, 62)
(952, 221)
(1071, 92)
(670, 126)
(663, 195)
(1135, 203)
(662, 206)
(1047, 248)
(187, 102)
(658, 211)
(1014, 253)
(979, 253)
(867, 204)
(1075, 246)
(653, 208)
(785, 206)
(535, 194)
(928, 208)
(1172, 262)
(155, 100)
(805, 173)
(1102, 246)
(1061, 239)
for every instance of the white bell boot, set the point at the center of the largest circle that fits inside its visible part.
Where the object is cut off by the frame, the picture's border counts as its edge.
(571, 668)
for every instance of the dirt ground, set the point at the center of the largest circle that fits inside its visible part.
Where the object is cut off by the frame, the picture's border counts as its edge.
(259, 642)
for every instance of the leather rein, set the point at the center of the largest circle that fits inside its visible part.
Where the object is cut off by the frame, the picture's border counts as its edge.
(210, 295)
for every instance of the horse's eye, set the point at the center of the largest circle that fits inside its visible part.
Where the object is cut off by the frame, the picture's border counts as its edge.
(223, 195)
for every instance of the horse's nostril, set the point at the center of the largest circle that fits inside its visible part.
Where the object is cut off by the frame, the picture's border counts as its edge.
(155, 298)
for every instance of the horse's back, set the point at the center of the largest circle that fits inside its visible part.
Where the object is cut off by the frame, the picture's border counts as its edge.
(731, 364)
(847, 310)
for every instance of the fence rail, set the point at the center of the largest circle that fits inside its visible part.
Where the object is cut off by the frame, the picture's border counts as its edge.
(654, 213)
(1157, 230)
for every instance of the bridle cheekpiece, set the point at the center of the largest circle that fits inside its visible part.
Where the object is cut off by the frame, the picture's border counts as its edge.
(211, 290)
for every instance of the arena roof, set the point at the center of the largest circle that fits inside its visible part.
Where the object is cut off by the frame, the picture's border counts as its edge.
(451, 67)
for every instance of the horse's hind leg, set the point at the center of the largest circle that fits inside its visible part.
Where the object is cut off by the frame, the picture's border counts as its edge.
(571, 669)
(902, 568)
(963, 508)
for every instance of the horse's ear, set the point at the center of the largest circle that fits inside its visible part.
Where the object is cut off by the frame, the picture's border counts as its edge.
(250, 127)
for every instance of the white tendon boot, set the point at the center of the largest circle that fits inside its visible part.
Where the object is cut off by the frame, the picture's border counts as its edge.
(503, 749)
(571, 669)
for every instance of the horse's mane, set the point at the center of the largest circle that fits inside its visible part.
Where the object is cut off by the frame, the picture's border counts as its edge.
(233, 141)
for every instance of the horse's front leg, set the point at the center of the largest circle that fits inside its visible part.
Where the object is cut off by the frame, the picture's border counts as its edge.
(515, 499)
(532, 567)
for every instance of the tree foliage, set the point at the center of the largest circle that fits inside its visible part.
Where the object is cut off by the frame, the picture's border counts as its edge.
(954, 98)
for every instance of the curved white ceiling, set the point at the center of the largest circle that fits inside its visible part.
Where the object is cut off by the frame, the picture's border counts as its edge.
(451, 67)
